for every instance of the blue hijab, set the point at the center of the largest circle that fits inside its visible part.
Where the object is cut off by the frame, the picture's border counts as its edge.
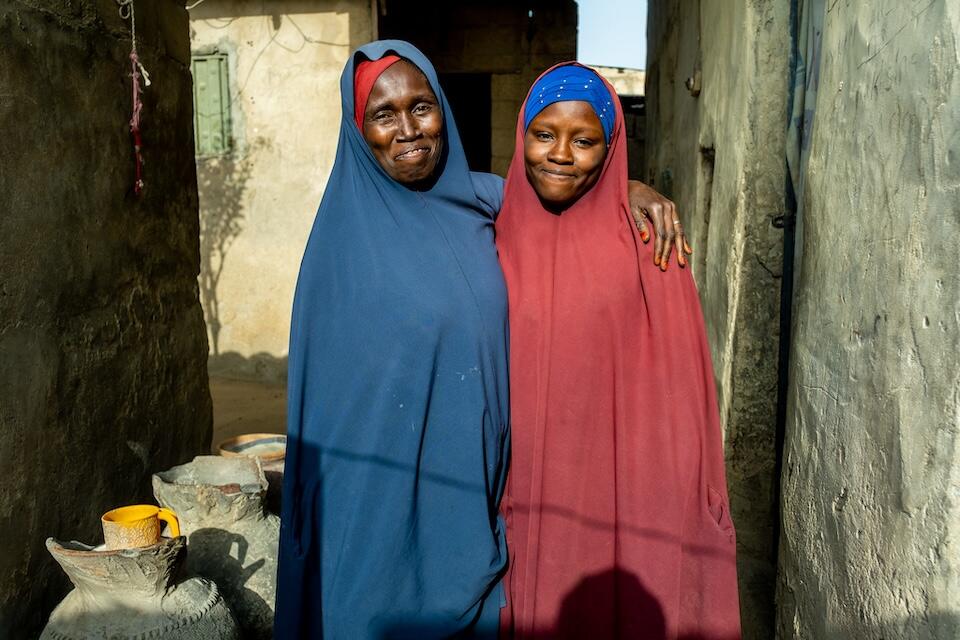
(398, 420)
(571, 82)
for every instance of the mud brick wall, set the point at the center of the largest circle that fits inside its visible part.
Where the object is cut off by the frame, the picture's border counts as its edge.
(103, 350)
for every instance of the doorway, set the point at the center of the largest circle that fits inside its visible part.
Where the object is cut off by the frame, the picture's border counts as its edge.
(469, 97)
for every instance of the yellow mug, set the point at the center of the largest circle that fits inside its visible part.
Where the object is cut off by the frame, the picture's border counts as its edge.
(137, 526)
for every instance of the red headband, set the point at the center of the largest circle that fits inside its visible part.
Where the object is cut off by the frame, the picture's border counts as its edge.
(364, 77)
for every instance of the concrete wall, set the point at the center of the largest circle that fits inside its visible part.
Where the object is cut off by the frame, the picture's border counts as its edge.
(102, 348)
(719, 156)
(627, 82)
(258, 203)
(871, 482)
(630, 86)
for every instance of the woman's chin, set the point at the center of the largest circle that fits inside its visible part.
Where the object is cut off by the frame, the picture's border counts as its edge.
(555, 201)
(414, 173)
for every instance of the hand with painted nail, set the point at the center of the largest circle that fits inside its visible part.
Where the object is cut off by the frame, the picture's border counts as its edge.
(646, 202)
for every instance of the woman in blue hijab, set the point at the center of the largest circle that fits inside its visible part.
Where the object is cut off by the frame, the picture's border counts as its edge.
(397, 392)
(398, 425)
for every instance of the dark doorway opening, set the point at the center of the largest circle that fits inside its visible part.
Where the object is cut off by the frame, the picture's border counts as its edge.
(634, 123)
(469, 96)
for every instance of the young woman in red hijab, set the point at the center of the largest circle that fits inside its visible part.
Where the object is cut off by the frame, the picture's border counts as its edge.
(617, 516)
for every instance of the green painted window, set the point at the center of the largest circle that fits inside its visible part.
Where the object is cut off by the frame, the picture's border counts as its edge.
(211, 104)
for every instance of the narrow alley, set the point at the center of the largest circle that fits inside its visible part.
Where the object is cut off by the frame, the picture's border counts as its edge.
(160, 175)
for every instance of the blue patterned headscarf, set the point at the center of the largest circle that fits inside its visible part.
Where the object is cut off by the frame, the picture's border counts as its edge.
(571, 82)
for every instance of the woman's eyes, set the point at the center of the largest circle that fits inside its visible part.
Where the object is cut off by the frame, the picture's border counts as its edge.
(385, 117)
(583, 143)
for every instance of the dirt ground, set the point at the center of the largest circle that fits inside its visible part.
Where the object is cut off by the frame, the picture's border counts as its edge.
(247, 407)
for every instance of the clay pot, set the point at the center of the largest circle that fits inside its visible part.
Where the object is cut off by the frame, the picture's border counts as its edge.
(133, 593)
(270, 449)
(232, 539)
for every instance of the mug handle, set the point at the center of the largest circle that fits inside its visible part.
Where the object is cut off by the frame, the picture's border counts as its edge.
(171, 519)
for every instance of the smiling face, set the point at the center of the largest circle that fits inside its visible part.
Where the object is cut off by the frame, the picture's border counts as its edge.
(563, 150)
(403, 124)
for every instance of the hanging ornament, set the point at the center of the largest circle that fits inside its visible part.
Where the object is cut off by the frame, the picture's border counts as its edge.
(137, 73)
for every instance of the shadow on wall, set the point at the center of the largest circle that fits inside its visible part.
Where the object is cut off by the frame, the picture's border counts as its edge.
(260, 367)
(222, 182)
(222, 185)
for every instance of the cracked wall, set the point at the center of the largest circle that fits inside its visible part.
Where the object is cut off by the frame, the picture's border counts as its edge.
(102, 348)
(285, 58)
(871, 478)
(720, 156)
(870, 483)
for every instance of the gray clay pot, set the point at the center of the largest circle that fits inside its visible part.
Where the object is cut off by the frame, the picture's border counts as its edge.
(231, 538)
(134, 594)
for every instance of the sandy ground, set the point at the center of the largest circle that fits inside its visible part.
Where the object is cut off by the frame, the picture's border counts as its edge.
(247, 407)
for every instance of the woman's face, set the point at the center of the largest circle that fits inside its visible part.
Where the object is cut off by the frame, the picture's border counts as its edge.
(403, 124)
(564, 149)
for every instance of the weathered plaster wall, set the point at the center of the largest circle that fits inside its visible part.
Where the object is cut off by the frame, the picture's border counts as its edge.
(872, 470)
(719, 156)
(102, 348)
(285, 60)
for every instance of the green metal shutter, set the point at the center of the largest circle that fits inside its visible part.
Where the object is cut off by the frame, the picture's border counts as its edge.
(211, 104)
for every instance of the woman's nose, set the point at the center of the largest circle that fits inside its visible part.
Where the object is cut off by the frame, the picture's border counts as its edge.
(560, 154)
(408, 128)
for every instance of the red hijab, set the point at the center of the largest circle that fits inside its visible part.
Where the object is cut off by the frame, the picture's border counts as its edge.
(364, 77)
(616, 507)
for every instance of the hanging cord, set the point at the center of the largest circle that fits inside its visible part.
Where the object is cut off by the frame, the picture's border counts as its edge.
(137, 73)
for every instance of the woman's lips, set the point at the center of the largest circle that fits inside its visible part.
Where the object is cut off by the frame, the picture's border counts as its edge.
(412, 154)
(557, 175)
